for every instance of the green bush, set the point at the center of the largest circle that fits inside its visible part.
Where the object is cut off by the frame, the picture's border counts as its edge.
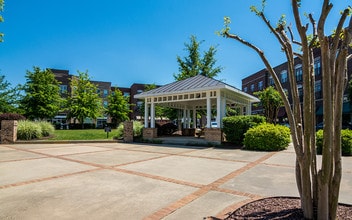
(346, 142)
(235, 127)
(47, 128)
(137, 130)
(28, 130)
(267, 137)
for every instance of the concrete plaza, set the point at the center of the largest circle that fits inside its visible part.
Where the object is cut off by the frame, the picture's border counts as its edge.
(140, 181)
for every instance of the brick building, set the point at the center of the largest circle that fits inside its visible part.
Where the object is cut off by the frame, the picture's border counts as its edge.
(104, 89)
(262, 79)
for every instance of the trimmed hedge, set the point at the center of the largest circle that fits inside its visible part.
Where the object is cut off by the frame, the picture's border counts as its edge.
(267, 137)
(346, 142)
(235, 127)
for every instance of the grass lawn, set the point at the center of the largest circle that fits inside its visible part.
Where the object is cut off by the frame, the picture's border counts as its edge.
(86, 134)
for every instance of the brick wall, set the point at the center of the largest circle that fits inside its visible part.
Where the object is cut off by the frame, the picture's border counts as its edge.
(213, 135)
(149, 133)
(128, 131)
(8, 132)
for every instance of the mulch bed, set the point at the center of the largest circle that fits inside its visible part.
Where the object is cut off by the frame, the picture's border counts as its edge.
(286, 208)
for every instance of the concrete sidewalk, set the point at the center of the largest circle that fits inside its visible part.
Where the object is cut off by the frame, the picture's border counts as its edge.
(132, 181)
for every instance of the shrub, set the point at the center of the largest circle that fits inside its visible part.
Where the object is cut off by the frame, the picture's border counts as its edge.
(346, 142)
(267, 137)
(235, 127)
(11, 116)
(28, 130)
(47, 128)
(137, 130)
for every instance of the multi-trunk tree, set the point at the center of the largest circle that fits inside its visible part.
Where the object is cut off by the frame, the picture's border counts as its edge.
(318, 185)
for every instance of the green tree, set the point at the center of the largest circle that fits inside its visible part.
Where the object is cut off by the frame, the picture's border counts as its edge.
(318, 186)
(1, 18)
(8, 96)
(42, 95)
(194, 64)
(118, 107)
(271, 102)
(84, 101)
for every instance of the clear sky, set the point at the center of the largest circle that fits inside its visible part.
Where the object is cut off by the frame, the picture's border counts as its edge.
(137, 41)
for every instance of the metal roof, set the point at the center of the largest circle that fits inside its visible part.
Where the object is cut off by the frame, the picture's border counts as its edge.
(193, 84)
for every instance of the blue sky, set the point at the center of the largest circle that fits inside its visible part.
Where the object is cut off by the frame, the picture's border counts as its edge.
(137, 41)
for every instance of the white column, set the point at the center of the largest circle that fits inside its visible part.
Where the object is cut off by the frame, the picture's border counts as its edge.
(208, 110)
(249, 109)
(188, 118)
(194, 118)
(146, 114)
(184, 118)
(218, 109)
(223, 110)
(152, 115)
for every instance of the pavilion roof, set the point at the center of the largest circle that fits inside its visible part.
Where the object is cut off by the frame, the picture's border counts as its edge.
(197, 83)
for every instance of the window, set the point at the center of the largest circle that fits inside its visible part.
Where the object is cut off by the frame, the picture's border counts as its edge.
(260, 85)
(317, 86)
(105, 104)
(63, 89)
(105, 92)
(139, 91)
(245, 89)
(252, 88)
(317, 66)
(271, 80)
(298, 72)
(126, 94)
(284, 76)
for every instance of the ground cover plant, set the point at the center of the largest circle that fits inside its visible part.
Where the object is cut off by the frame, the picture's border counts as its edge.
(84, 134)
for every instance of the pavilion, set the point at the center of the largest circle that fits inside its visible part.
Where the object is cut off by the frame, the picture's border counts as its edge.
(192, 94)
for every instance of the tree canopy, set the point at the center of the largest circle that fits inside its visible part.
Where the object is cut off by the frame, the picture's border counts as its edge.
(84, 101)
(42, 98)
(1, 18)
(318, 185)
(271, 102)
(118, 107)
(193, 64)
(8, 96)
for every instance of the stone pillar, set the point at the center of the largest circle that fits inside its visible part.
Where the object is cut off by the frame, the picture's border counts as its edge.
(150, 133)
(128, 131)
(213, 135)
(8, 131)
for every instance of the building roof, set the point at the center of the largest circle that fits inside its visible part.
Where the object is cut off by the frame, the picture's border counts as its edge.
(193, 84)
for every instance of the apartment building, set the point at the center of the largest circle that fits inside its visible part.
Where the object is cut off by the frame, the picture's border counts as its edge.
(260, 80)
(104, 89)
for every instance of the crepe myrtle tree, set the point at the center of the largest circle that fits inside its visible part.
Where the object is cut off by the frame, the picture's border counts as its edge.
(318, 186)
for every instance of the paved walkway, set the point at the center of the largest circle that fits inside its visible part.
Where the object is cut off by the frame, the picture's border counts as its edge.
(131, 181)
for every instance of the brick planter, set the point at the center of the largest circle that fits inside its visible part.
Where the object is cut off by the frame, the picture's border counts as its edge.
(213, 135)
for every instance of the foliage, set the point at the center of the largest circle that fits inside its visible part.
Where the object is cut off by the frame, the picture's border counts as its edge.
(271, 101)
(83, 102)
(267, 137)
(137, 130)
(47, 128)
(318, 184)
(42, 94)
(1, 18)
(235, 127)
(346, 142)
(118, 107)
(194, 64)
(28, 130)
(8, 96)
(11, 116)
